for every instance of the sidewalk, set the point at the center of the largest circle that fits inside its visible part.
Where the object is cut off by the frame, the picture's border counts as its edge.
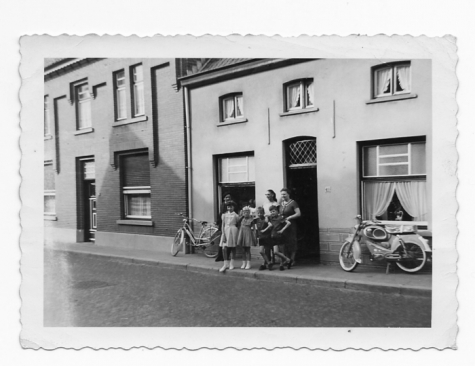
(364, 278)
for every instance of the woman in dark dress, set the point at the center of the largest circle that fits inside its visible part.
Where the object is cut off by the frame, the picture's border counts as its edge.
(291, 211)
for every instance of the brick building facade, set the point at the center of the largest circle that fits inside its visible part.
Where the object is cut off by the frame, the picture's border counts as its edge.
(114, 150)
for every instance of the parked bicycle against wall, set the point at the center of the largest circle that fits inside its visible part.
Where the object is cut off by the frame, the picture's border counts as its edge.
(398, 244)
(207, 240)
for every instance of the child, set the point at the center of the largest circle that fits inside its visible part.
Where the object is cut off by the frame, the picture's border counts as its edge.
(230, 235)
(265, 243)
(247, 236)
(278, 224)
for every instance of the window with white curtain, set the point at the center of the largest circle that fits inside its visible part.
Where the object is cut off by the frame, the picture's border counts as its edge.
(394, 186)
(83, 106)
(232, 107)
(391, 79)
(120, 90)
(299, 95)
(138, 91)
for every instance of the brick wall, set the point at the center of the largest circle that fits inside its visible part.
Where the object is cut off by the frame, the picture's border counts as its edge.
(161, 134)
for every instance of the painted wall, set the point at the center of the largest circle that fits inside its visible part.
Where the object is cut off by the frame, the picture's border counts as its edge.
(348, 83)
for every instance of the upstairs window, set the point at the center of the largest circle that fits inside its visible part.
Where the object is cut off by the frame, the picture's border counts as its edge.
(46, 116)
(232, 107)
(392, 80)
(83, 106)
(138, 100)
(120, 103)
(136, 189)
(299, 95)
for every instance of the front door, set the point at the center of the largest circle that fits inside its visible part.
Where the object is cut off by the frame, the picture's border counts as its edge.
(301, 179)
(91, 212)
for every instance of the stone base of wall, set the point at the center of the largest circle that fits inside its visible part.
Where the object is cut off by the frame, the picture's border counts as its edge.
(59, 235)
(331, 240)
(133, 241)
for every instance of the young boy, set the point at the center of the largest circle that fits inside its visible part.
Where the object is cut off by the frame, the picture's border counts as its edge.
(278, 224)
(265, 243)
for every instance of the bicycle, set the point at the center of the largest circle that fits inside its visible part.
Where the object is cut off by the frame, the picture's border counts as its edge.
(208, 238)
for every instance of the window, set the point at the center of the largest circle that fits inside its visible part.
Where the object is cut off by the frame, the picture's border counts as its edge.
(46, 116)
(136, 190)
(299, 95)
(232, 107)
(236, 169)
(83, 106)
(138, 105)
(392, 80)
(49, 190)
(394, 182)
(121, 109)
(236, 176)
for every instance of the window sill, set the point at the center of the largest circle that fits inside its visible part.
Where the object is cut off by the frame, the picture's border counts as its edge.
(299, 111)
(135, 222)
(391, 98)
(130, 121)
(48, 137)
(50, 217)
(84, 130)
(232, 122)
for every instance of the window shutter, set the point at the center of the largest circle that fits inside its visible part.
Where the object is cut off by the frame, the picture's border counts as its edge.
(49, 178)
(135, 170)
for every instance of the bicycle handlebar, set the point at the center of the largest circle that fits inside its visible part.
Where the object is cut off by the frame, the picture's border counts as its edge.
(191, 218)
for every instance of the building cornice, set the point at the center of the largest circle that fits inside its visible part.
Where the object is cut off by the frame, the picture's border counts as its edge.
(236, 70)
(67, 65)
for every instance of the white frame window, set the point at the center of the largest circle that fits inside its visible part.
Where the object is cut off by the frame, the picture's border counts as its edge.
(46, 116)
(299, 94)
(120, 95)
(138, 90)
(49, 205)
(50, 195)
(232, 107)
(83, 106)
(140, 197)
(237, 169)
(392, 80)
(384, 161)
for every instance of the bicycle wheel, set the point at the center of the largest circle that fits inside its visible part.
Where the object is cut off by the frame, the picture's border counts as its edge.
(177, 244)
(347, 259)
(209, 240)
(417, 258)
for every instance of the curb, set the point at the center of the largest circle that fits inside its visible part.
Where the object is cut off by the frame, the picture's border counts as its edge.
(266, 276)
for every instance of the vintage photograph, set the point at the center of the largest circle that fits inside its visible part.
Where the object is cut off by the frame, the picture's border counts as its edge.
(237, 192)
(278, 193)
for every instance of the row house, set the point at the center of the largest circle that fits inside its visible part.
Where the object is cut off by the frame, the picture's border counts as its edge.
(346, 137)
(114, 147)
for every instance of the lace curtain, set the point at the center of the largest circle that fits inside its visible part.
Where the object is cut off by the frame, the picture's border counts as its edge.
(404, 77)
(294, 96)
(412, 196)
(383, 78)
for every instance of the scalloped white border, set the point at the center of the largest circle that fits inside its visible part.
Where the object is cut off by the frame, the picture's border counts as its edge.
(442, 51)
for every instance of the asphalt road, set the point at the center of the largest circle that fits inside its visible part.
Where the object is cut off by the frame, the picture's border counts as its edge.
(90, 291)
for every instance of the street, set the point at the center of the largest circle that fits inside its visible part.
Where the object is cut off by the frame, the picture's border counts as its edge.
(93, 291)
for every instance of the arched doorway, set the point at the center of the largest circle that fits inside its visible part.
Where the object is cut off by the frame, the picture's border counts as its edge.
(301, 178)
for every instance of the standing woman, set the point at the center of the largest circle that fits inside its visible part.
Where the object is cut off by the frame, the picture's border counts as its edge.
(291, 211)
(271, 201)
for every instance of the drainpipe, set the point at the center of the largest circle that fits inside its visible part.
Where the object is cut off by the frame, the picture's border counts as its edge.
(188, 158)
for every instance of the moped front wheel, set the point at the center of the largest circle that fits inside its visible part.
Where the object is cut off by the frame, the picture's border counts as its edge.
(416, 260)
(177, 244)
(347, 259)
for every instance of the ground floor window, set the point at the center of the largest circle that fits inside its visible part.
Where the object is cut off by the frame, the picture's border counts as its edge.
(136, 190)
(49, 207)
(236, 176)
(394, 186)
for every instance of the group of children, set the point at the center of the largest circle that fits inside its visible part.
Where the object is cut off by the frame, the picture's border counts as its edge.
(265, 231)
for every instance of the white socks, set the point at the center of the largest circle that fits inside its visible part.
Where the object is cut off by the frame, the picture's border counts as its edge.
(224, 267)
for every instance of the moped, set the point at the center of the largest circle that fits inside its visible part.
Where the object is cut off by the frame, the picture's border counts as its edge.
(398, 244)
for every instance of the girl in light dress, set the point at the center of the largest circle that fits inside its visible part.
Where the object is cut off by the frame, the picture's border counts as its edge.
(229, 237)
(247, 236)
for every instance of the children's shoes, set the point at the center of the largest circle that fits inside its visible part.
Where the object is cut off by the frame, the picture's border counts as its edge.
(248, 265)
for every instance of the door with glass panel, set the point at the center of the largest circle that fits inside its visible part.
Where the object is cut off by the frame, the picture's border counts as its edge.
(90, 201)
